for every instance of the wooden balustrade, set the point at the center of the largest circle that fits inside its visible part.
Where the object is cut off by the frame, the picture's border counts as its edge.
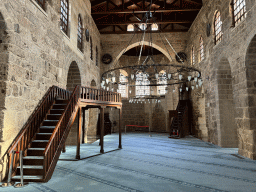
(25, 136)
(99, 95)
(60, 133)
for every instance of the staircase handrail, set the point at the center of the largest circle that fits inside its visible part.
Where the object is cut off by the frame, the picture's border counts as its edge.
(30, 128)
(59, 132)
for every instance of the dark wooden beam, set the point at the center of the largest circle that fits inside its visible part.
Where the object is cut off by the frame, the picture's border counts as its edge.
(143, 11)
(113, 4)
(120, 27)
(150, 22)
(196, 2)
(131, 32)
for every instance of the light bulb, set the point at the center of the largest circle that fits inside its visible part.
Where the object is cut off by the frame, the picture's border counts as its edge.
(187, 88)
(132, 76)
(197, 86)
(103, 82)
(107, 81)
(169, 76)
(107, 88)
(192, 87)
(130, 91)
(180, 77)
(189, 78)
(156, 75)
(113, 79)
(173, 90)
(180, 89)
(195, 79)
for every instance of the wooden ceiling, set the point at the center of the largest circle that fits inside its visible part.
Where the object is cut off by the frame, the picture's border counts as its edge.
(113, 16)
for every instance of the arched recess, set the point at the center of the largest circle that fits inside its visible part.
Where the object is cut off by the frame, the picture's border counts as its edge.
(144, 43)
(93, 84)
(247, 146)
(227, 131)
(73, 79)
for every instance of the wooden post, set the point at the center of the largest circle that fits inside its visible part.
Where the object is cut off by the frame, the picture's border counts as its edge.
(64, 148)
(102, 129)
(78, 134)
(120, 133)
(83, 126)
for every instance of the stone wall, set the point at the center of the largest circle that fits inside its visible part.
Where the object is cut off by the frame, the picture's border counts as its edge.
(228, 79)
(36, 54)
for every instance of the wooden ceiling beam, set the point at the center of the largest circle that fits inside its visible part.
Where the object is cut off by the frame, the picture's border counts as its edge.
(128, 11)
(131, 32)
(150, 22)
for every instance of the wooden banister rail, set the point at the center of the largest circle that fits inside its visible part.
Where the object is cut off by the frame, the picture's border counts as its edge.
(59, 134)
(26, 134)
(99, 95)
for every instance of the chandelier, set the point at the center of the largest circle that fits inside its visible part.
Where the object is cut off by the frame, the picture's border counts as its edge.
(147, 80)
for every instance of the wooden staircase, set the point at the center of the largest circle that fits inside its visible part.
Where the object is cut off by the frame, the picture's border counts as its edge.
(33, 168)
(43, 137)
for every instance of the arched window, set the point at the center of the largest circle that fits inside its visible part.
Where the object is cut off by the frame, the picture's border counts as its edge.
(161, 90)
(130, 27)
(64, 15)
(91, 49)
(41, 3)
(143, 26)
(154, 27)
(192, 56)
(141, 84)
(80, 33)
(217, 28)
(122, 87)
(97, 55)
(239, 10)
(201, 49)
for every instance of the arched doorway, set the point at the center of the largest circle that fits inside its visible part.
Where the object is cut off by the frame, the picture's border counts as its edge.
(227, 128)
(73, 79)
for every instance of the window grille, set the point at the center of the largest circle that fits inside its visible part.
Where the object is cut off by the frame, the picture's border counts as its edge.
(123, 88)
(201, 49)
(218, 28)
(192, 56)
(64, 15)
(141, 84)
(80, 33)
(161, 90)
(239, 10)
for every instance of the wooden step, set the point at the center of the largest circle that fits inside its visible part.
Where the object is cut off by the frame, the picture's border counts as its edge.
(53, 116)
(50, 122)
(31, 170)
(46, 129)
(43, 136)
(39, 143)
(35, 151)
(61, 101)
(33, 160)
(33, 178)
(59, 106)
(56, 111)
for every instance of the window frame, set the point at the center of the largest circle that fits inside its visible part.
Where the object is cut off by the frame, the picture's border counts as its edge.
(124, 79)
(64, 5)
(161, 89)
(238, 8)
(91, 49)
(193, 60)
(218, 34)
(144, 83)
(80, 33)
(41, 3)
(201, 49)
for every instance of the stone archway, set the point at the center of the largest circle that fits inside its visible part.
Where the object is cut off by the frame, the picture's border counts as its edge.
(227, 127)
(73, 79)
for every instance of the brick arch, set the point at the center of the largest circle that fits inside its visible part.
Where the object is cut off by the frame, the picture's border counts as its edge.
(144, 43)
(227, 127)
(74, 76)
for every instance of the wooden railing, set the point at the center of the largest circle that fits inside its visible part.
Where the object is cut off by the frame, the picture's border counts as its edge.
(59, 135)
(99, 95)
(25, 136)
